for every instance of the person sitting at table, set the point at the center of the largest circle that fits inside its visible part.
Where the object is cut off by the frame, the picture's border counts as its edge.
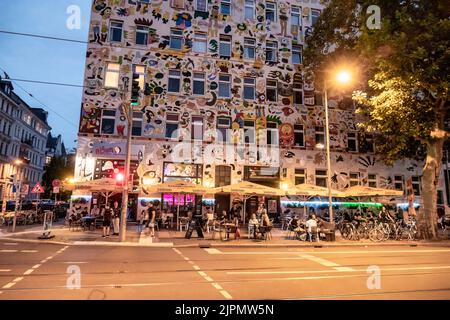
(265, 220)
(253, 225)
(95, 212)
(222, 215)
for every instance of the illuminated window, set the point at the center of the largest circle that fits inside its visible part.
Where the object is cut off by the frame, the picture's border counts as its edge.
(112, 75)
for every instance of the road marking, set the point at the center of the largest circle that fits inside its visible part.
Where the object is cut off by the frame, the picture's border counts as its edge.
(344, 269)
(213, 251)
(205, 276)
(328, 271)
(5, 270)
(322, 252)
(36, 266)
(29, 271)
(321, 261)
(28, 251)
(12, 283)
(10, 243)
(13, 250)
(8, 251)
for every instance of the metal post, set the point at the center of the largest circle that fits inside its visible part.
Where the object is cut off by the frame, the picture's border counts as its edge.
(123, 216)
(5, 187)
(327, 130)
(18, 188)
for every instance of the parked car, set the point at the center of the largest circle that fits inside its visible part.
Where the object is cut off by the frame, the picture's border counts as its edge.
(47, 204)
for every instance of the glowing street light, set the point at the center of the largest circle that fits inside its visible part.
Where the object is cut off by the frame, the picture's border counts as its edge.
(343, 77)
(18, 162)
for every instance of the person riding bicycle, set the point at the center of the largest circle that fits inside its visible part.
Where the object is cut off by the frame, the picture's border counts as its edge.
(385, 216)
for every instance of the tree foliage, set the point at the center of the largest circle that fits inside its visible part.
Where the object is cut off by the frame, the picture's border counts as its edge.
(59, 168)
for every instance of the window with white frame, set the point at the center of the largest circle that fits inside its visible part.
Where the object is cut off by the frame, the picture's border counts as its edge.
(320, 135)
(298, 92)
(112, 75)
(321, 178)
(225, 7)
(115, 31)
(299, 135)
(300, 176)
(174, 81)
(201, 5)
(416, 185)
(354, 179)
(249, 48)
(108, 121)
(223, 126)
(352, 141)
(197, 128)
(172, 122)
(272, 133)
(225, 46)
(198, 87)
(224, 85)
(249, 131)
(249, 88)
(271, 11)
(140, 70)
(271, 51)
(176, 39)
(271, 90)
(296, 19)
(399, 182)
(200, 42)
(315, 13)
(372, 180)
(297, 54)
(249, 11)
(142, 35)
(136, 129)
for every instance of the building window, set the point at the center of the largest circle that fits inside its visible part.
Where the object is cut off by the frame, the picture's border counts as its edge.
(172, 121)
(249, 48)
(296, 20)
(176, 39)
(299, 135)
(112, 75)
(115, 31)
(271, 51)
(300, 176)
(174, 81)
(321, 178)
(199, 83)
(140, 70)
(271, 90)
(398, 183)
(141, 35)
(249, 88)
(249, 9)
(272, 133)
(108, 121)
(197, 128)
(298, 92)
(271, 11)
(225, 7)
(223, 176)
(200, 42)
(201, 5)
(223, 125)
(137, 124)
(352, 141)
(354, 179)
(296, 54)
(372, 180)
(320, 135)
(315, 13)
(179, 4)
(416, 185)
(224, 86)
(225, 46)
(369, 143)
(249, 131)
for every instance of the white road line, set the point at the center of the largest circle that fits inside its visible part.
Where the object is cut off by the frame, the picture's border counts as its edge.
(321, 261)
(318, 251)
(196, 267)
(344, 269)
(213, 251)
(9, 285)
(8, 251)
(202, 274)
(28, 251)
(10, 243)
(332, 271)
(177, 251)
(29, 271)
(208, 279)
(217, 286)
(36, 266)
(5, 270)
(226, 294)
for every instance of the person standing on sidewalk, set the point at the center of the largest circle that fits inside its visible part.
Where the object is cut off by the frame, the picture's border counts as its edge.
(107, 215)
(151, 219)
(116, 218)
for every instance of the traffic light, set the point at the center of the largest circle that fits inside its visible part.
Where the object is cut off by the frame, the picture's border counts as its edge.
(135, 88)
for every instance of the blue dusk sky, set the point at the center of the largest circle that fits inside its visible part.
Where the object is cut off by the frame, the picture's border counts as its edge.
(46, 60)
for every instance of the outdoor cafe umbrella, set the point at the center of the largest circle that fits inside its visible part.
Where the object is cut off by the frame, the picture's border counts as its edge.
(106, 186)
(179, 187)
(364, 191)
(249, 189)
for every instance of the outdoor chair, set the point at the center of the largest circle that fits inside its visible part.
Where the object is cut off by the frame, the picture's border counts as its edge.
(314, 233)
(184, 224)
(209, 222)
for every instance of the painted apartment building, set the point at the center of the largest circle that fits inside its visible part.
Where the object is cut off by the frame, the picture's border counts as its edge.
(23, 136)
(224, 99)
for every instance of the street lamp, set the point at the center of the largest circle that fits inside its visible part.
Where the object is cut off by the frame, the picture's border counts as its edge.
(342, 77)
(18, 185)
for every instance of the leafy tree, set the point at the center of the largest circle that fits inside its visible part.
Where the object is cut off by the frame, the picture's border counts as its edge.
(59, 168)
(404, 93)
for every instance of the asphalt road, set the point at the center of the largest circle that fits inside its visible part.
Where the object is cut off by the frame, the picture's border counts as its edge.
(45, 271)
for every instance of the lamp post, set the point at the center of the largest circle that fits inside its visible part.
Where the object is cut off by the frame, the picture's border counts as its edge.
(18, 186)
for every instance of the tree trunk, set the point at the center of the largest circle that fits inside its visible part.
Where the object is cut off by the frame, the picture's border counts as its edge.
(427, 216)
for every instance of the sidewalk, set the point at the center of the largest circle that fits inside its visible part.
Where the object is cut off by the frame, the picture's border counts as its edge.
(171, 238)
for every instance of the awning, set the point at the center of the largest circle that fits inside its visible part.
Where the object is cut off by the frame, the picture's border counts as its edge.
(250, 188)
(100, 185)
(179, 186)
(364, 191)
(311, 190)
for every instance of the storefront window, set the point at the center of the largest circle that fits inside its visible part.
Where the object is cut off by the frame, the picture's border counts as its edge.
(180, 171)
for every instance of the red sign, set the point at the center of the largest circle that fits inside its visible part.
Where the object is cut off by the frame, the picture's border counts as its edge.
(37, 188)
(56, 183)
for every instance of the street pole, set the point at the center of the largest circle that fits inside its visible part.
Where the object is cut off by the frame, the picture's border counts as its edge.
(4, 197)
(123, 216)
(18, 188)
(327, 130)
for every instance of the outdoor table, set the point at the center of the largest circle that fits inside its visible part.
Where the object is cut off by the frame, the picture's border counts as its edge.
(229, 228)
(88, 221)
